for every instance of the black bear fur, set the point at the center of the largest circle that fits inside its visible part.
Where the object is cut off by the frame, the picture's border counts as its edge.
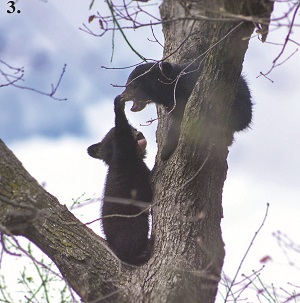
(128, 178)
(157, 82)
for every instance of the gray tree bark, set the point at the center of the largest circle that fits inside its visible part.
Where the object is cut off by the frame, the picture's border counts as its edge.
(187, 207)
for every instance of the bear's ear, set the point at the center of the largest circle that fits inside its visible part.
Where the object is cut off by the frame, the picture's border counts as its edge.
(99, 151)
(166, 69)
(104, 149)
(95, 151)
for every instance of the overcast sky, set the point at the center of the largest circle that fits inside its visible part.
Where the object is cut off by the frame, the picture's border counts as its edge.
(50, 137)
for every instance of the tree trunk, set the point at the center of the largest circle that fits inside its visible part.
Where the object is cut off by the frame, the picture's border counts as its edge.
(187, 207)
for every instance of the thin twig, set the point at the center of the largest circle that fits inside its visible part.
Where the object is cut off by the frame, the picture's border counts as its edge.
(247, 252)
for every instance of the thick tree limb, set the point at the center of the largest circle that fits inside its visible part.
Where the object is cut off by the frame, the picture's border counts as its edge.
(28, 210)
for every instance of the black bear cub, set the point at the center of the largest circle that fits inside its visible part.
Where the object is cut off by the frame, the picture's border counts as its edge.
(125, 224)
(159, 83)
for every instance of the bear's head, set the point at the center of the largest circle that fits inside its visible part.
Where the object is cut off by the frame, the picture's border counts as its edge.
(104, 150)
(150, 82)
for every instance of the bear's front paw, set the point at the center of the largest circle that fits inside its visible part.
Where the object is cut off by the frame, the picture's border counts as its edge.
(119, 102)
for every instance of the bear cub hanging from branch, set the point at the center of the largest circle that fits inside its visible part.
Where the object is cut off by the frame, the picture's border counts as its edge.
(128, 194)
(161, 82)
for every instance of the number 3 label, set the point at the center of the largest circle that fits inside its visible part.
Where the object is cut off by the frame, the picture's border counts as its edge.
(12, 7)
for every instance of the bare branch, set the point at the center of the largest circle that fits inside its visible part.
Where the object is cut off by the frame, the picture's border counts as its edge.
(130, 15)
(17, 74)
(247, 252)
(287, 39)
